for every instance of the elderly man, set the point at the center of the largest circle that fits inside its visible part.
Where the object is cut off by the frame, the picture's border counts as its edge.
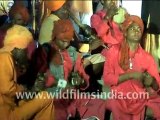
(13, 64)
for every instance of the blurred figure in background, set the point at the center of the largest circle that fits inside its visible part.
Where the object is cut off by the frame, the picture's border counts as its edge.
(19, 14)
(58, 11)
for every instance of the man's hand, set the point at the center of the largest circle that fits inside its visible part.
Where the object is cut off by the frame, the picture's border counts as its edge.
(111, 11)
(94, 44)
(131, 75)
(76, 79)
(39, 84)
(148, 79)
(137, 76)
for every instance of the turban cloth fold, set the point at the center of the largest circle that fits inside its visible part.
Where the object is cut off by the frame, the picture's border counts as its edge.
(63, 29)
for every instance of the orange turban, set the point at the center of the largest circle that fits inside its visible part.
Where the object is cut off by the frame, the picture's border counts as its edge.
(20, 9)
(63, 29)
(133, 19)
(54, 5)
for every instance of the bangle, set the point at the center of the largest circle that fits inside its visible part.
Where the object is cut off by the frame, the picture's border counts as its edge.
(72, 81)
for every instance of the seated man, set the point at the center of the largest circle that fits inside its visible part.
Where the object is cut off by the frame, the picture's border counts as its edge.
(59, 66)
(128, 76)
(13, 64)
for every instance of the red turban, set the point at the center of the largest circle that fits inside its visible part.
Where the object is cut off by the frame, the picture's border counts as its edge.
(54, 4)
(133, 19)
(63, 29)
(20, 9)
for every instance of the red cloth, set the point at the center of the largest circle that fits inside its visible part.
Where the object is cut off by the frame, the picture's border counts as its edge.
(88, 108)
(31, 48)
(61, 106)
(112, 70)
(113, 105)
(109, 32)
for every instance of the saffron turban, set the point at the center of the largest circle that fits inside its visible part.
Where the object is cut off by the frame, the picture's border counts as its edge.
(17, 37)
(54, 5)
(133, 19)
(63, 29)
